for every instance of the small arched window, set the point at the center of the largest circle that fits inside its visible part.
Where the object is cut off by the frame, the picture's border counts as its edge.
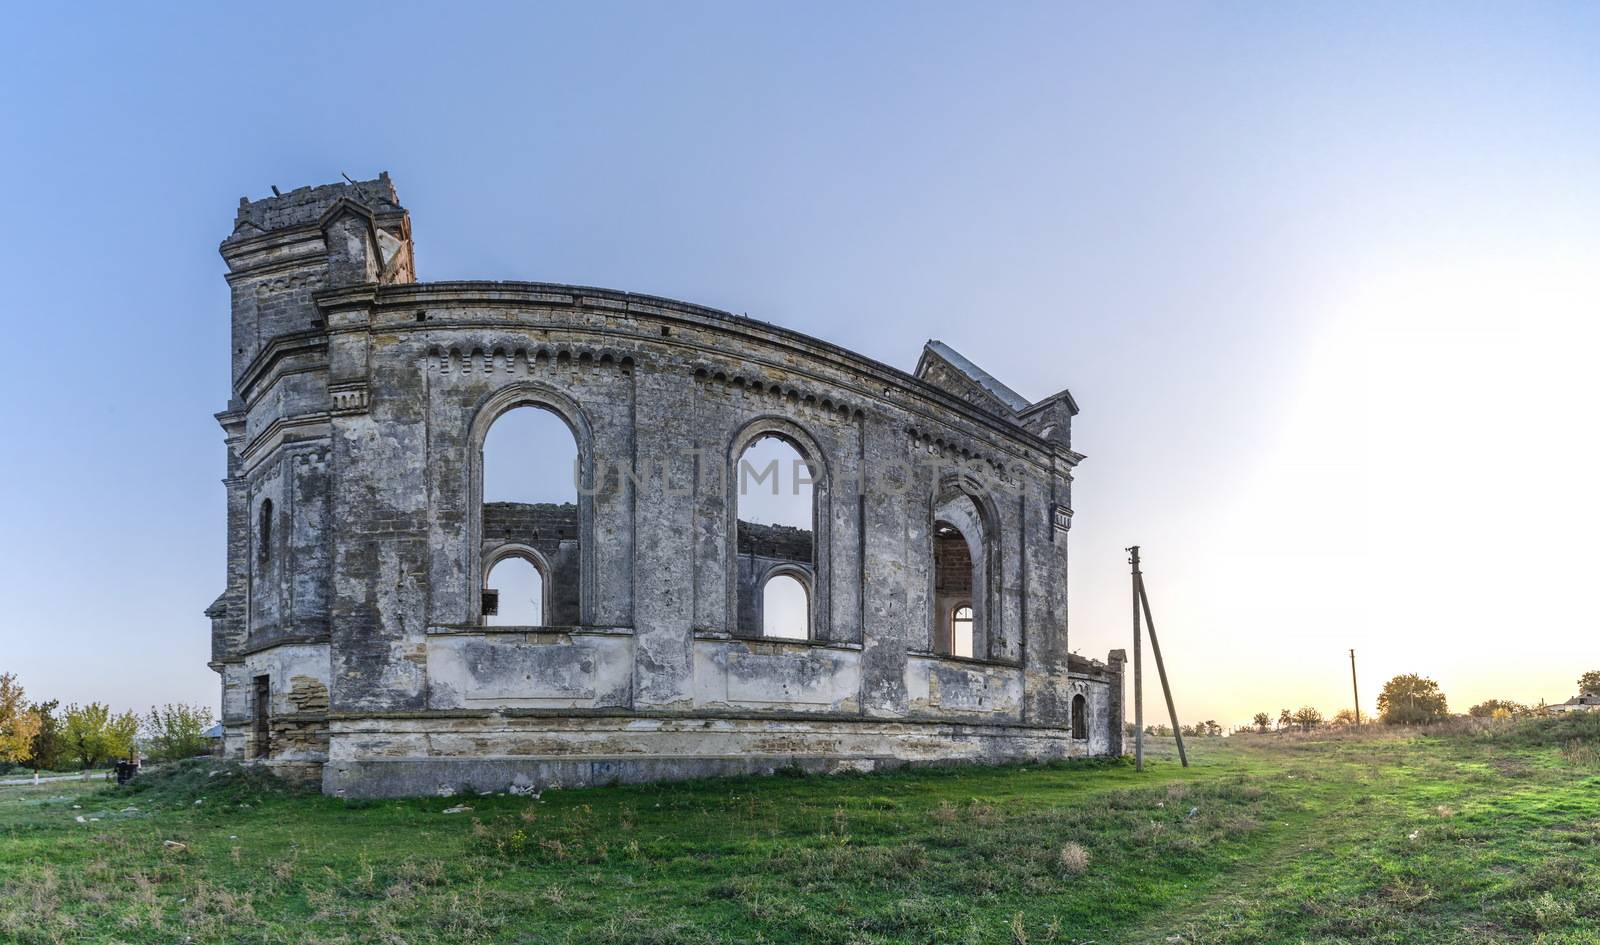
(961, 631)
(513, 594)
(1080, 717)
(785, 608)
(264, 532)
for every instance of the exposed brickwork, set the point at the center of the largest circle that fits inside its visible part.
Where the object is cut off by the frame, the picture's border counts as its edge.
(783, 542)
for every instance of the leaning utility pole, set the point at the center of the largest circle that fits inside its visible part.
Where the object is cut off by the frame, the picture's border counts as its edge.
(1353, 690)
(1141, 601)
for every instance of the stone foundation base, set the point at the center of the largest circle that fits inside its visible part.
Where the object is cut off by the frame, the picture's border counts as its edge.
(393, 758)
(416, 776)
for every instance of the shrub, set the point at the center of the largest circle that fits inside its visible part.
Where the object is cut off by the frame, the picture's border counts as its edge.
(1498, 709)
(177, 731)
(1074, 859)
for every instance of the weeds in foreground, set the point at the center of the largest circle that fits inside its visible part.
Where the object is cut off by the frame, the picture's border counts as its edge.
(1474, 834)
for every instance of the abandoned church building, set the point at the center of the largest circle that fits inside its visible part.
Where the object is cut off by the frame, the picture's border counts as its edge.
(494, 535)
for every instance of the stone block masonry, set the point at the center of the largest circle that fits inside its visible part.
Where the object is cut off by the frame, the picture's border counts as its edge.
(354, 639)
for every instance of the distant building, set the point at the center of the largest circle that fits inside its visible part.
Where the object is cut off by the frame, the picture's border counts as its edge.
(1587, 702)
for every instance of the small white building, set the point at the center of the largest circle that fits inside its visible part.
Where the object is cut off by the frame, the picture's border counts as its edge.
(1587, 702)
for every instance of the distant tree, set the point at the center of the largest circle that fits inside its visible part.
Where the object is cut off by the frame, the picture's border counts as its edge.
(177, 731)
(1409, 699)
(94, 736)
(47, 744)
(1263, 722)
(1213, 729)
(17, 724)
(1285, 719)
(1307, 718)
(1498, 709)
(1589, 683)
(122, 735)
(1344, 717)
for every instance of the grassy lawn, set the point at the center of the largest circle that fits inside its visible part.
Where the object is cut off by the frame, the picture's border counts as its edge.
(1469, 836)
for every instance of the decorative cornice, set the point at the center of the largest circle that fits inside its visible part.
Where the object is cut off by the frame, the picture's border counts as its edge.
(313, 341)
(349, 399)
(479, 361)
(410, 297)
(948, 447)
(276, 432)
(752, 384)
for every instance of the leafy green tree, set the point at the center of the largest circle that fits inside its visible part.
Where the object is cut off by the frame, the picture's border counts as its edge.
(1263, 722)
(1497, 708)
(122, 735)
(1410, 699)
(1589, 683)
(177, 731)
(18, 725)
(94, 736)
(47, 741)
(1307, 718)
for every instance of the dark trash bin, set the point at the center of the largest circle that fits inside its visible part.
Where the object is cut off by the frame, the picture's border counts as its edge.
(126, 770)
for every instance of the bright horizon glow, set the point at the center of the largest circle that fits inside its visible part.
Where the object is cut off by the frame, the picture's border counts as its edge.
(1323, 280)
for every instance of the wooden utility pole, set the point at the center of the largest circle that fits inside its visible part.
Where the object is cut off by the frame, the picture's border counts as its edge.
(1353, 690)
(1155, 650)
(1138, 670)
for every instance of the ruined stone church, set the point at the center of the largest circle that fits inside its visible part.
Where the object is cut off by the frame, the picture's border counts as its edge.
(368, 635)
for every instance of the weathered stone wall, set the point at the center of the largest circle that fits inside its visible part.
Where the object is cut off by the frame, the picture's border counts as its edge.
(361, 402)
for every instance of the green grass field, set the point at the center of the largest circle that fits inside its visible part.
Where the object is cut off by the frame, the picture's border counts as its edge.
(1472, 835)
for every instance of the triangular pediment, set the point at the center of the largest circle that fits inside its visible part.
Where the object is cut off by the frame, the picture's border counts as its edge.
(947, 369)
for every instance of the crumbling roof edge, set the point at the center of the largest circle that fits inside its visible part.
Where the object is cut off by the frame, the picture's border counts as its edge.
(1010, 398)
(1063, 394)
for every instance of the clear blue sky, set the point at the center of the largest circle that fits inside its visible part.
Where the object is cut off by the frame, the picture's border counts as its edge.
(1322, 278)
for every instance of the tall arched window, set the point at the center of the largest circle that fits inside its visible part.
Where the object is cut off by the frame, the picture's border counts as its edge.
(530, 501)
(775, 514)
(962, 583)
(1080, 717)
(785, 608)
(264, 532)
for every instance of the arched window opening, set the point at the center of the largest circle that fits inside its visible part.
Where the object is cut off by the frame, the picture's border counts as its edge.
(775, 514)
(785, 608)
(530, 496)
(1080, 717)
(961, 627)
(264, 532)
(956, 630)
(514, 594)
